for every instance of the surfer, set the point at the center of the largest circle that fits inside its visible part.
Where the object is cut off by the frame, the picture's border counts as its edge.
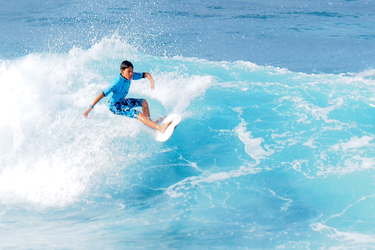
(119, 105)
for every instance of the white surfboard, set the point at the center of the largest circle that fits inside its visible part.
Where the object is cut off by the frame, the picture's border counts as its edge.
(175, 118)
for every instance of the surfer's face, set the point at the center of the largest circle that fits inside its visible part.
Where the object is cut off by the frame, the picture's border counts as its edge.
(127, 73)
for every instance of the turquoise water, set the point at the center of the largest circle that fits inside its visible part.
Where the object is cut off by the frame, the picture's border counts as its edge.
(275, 149)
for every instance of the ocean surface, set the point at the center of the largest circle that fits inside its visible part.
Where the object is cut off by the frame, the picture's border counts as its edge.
(276, 146)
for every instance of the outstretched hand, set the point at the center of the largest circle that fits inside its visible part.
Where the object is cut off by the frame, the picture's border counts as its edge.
(100, 96)
(149, 77)
(86, 114)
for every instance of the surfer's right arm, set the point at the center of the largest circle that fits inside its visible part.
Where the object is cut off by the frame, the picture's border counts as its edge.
(100, 96)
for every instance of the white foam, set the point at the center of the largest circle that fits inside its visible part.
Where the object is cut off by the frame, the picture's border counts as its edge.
(214, 177)
(354, 143)
(175, 91)
(46, 183)
(310, 143)
(254, 67)
(352, 239)
(288, 201)
(252, 145)
(176, 189)
(50, 153)
(274, 136)
(351, 165)
(297, 165)
(317, 112)
(354, 157)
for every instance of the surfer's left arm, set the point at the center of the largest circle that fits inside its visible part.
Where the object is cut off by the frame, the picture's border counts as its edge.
(149, 77)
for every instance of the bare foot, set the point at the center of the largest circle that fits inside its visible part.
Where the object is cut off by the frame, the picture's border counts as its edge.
(164, 127)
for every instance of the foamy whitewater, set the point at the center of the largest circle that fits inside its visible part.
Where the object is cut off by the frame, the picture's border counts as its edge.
(275, 149)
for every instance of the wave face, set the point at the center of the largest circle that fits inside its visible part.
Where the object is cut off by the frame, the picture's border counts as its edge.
(265, 157)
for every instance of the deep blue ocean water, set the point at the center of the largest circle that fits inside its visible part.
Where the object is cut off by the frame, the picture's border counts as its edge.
(276, 145)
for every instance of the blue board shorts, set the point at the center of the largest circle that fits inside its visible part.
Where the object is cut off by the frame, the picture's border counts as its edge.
(126, 107)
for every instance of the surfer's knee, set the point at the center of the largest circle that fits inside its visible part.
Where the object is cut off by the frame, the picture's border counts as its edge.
(144, 103)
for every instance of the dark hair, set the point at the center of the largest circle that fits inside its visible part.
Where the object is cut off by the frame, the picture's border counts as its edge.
(125, 65)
